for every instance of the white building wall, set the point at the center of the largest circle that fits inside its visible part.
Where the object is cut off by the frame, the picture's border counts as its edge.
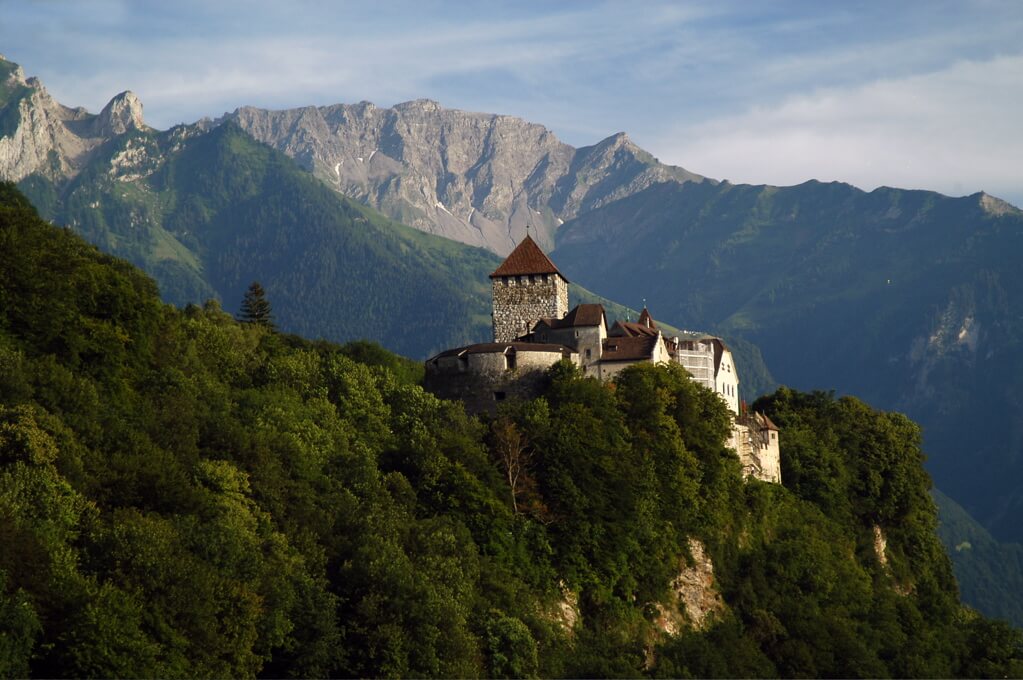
(727, 382)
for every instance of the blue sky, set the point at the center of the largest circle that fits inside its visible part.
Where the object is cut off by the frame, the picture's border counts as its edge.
(910, 94)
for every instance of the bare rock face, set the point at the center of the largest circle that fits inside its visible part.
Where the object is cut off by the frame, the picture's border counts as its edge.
(694, 594)
(472, 177)
(40, 135)
(123, 113)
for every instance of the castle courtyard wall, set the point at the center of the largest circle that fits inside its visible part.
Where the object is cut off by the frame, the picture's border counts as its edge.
(483, 380)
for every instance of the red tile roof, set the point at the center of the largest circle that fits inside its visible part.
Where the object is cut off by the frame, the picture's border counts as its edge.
(527, 258)
(646, 320)
(767, 423)
(581, 315)
(629, 348)
(631, 329)
(645, 326)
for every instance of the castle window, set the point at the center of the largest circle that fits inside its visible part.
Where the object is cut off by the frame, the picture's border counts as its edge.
(532, 279)
(499, 396)
(509, 361)
(588, 352)
(519, 278)
(545, 278)
(463, 363)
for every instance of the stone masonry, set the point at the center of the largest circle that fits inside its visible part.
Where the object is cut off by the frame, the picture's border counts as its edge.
(520, 300)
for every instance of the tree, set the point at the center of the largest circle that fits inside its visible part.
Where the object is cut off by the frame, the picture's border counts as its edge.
(513, 455)
(256, 308)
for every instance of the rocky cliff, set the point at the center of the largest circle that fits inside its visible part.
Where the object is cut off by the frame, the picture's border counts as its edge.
(40, 135)
(473, 177)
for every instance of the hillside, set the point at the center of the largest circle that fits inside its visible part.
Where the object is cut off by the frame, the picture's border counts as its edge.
(183, 495)
(988, 571)
(207, 213)
(904, 297)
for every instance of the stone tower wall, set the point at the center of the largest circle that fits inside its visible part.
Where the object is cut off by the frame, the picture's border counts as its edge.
(519, 301)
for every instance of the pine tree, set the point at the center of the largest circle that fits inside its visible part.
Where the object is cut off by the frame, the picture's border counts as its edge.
(256, 308)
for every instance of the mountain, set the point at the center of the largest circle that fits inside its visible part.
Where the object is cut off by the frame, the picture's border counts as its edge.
(209, 212)
(40, 135)
(909, 299)
(471, 177)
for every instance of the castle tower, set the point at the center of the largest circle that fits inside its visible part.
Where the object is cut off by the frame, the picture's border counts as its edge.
(527, 287)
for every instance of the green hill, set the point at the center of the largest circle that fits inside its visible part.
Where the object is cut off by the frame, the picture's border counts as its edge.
(185, 495)
(907, 298)
(207, 213)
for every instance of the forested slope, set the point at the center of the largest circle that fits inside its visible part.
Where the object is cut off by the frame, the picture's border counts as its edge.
(182, 495)
(906, 298)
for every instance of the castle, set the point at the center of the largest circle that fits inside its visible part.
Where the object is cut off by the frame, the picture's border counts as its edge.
(534, 329)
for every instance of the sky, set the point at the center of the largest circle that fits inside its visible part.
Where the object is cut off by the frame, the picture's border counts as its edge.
(922, 95)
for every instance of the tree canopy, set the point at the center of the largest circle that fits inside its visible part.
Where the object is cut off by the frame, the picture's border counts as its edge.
(184, 495)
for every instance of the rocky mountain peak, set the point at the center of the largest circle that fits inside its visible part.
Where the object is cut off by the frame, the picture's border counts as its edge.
(478, 178)
(42, 135)
(123, 113)
(427, 105)
(617, 142)
(15, 74)
(996, 206)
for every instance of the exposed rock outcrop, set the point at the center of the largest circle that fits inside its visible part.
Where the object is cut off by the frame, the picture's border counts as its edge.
(40, 135)
(565, 612)
(472, 177)
(695, 599)
(123, 113)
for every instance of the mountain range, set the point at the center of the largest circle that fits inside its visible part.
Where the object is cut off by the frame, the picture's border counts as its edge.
(905, 298)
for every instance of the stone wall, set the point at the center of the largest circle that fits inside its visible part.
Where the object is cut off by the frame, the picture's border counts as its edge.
(483, 380)
(758, 449)
(519, 301)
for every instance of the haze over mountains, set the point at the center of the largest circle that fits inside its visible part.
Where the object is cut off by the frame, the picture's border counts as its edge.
(909, 299)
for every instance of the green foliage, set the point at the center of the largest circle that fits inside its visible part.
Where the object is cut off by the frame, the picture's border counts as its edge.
(989, 572)
(905, 298)
(206, 213)
(183, 495)
(255, 306)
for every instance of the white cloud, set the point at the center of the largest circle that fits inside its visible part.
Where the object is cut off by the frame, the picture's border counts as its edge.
(955, 130)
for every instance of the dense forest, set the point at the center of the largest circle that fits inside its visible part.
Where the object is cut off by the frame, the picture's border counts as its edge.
(184, 494)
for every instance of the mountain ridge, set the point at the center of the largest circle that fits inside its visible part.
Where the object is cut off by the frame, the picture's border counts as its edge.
(904, 298)
(473, 177)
